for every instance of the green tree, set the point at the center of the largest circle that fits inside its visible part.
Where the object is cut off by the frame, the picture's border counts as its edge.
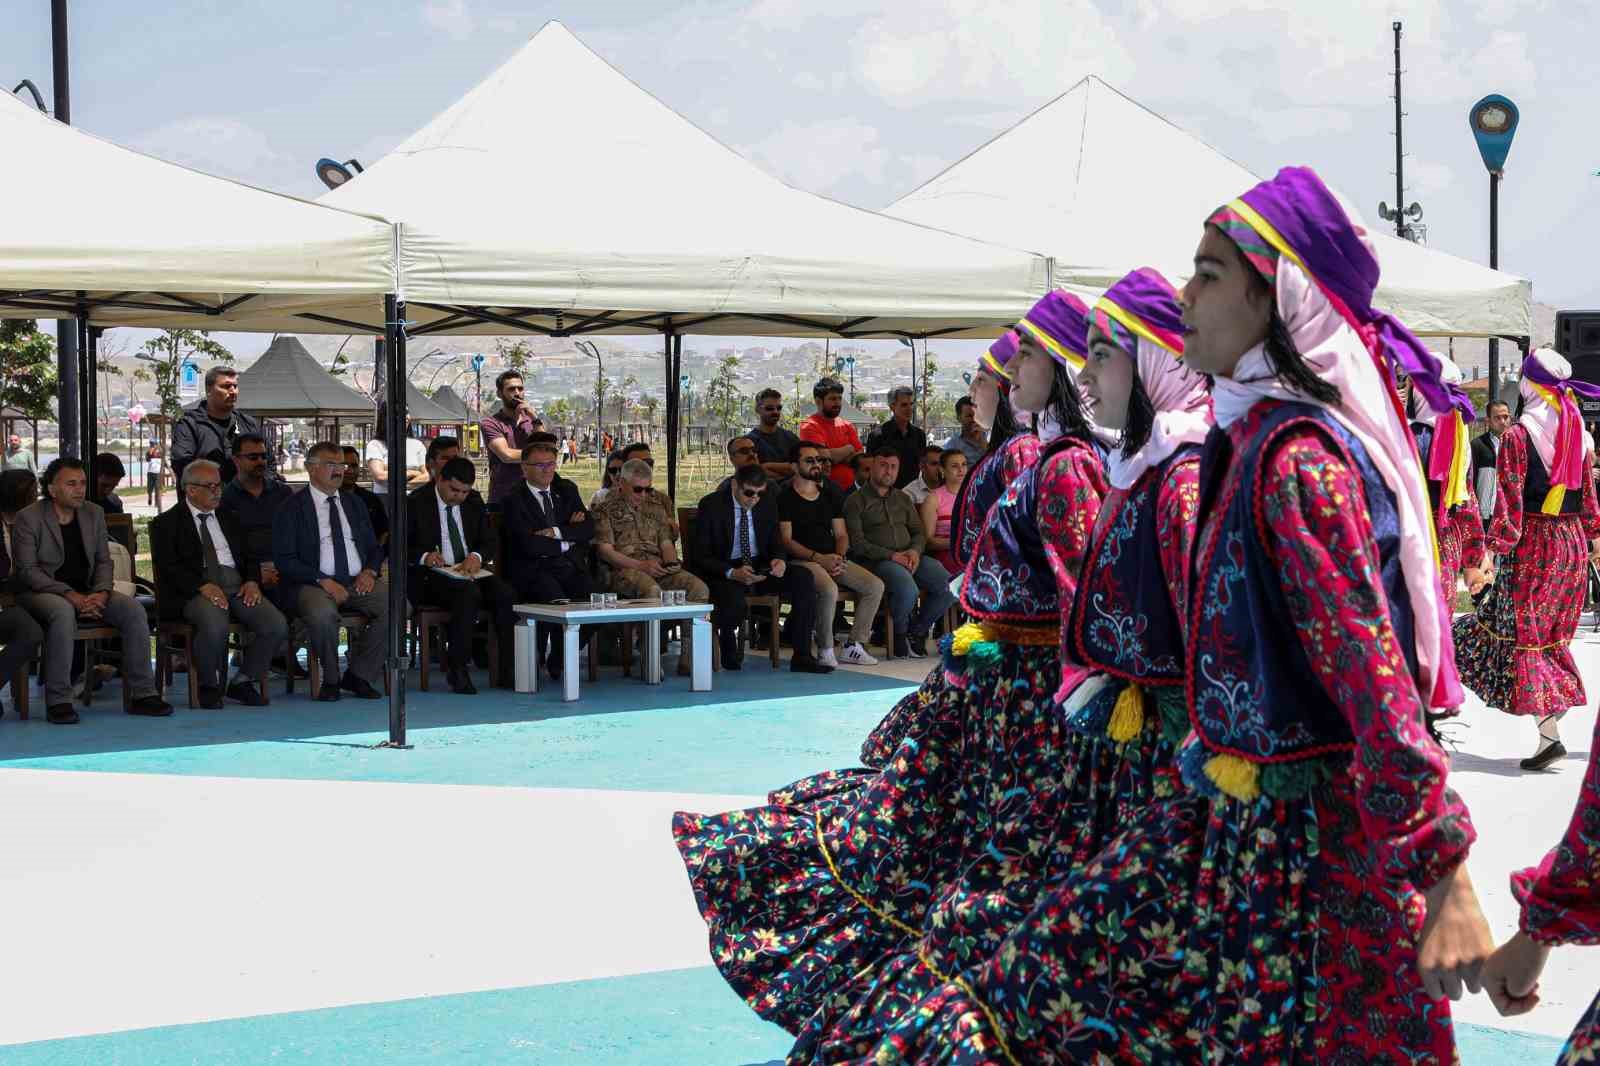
(341, 362)
(166, 354)
(723, 397)
(515, 353)
(27, 368)
(929, 368)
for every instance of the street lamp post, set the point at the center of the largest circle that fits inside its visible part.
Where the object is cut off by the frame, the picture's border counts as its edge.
(1494, 123)
(592, 350)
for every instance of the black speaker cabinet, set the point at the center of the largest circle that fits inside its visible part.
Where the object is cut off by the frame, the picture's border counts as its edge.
(1578, 338)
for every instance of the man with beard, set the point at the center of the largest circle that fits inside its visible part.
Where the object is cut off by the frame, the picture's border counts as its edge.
(837, 437)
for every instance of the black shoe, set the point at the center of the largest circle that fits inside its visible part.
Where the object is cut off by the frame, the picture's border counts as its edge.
(733, 660)
(461, 684)
(210, 698)
(150, 707)
(329, 694)
(61, 714)
(245, 692)
(808, 664)
(917, 643)
(552, 665)
(902, 647)
(1554, 753)
(358, 688)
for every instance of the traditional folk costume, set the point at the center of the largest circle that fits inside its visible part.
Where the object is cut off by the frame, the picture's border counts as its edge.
(1514, 651)
(1271, 915)
(801, 899)
(1110, 751)
(1443, 443)
(1561, 898)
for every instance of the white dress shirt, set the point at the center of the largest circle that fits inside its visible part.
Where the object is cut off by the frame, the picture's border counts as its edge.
(224, 553)
(319, 501)
(444, 533)
(546, 499)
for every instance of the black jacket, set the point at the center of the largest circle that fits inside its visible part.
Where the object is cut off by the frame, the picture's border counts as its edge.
(1482, 455)
(422, 525)
(297, 542)
(521, 515)
(195, 436)
(178, 559)
(712, 554)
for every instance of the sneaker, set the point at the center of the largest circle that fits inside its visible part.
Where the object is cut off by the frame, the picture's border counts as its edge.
(827, 658)
(853, 654)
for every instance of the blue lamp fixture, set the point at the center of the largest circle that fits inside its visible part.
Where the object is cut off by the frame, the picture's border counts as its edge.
(1494, 122)
(334, 173)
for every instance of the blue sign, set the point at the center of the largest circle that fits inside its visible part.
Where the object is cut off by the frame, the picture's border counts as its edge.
(477, 361)
(188, 381)
(1494, 122)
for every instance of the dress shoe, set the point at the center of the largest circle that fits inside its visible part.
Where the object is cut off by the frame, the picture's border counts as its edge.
(1551, 753)
(358, 688)
(809, 664)
(245, 692)
(462, 685)
(61, 714)
(210, 698)
(151, 706)
(329, 694)
(917, 644)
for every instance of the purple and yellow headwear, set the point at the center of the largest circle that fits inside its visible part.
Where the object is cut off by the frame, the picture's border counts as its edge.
(1060, 323)
(1295, 216)
(1142, 304)
(1562, 440)
(999, 354)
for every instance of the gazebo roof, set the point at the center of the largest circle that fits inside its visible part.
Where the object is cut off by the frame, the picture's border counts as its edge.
(287, 382)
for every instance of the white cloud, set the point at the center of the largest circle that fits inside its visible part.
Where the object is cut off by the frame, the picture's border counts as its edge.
(449, 16)
(216, 145)
(817, 156)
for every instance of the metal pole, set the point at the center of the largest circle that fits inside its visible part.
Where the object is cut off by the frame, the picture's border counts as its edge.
(394, 434)
(1494, 264)
(1399, 154)
(68, 400)
(672, 353)
(90, 339)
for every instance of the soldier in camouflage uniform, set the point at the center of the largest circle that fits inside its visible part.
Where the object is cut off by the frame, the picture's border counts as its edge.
(633, 534)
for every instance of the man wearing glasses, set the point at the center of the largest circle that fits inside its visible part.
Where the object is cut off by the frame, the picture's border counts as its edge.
(634, 539)
(251, 500)
(738, 553)
(547, 538)
(207, 575)
(774, 444)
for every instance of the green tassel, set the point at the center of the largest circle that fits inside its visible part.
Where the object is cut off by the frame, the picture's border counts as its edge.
(1173, 706)
(983, 656)
(1292, 780)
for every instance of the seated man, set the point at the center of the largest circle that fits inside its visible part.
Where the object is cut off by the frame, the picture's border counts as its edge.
(63, 573)
(448, 526)
(742, 453)
(929, 477)
(633, 538)
(738, 553)
(206, 575)
(20, 635)
(812, 530)
(108, 474)
(886, 536)
(328, 559)
(377, 513)
(547, 538)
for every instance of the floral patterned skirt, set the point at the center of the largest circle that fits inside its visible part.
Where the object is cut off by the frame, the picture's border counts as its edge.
(1069, 814)
(1206, 932)
(1583, 1046)
(800, 895)
(1514, 651)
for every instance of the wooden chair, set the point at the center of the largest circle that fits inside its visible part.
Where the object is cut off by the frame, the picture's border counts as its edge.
(119, 527)
(424, 620)
(773, 605)
(350, 621)
(183, 634)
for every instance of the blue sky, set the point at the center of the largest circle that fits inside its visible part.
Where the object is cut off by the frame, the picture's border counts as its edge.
(863, 100)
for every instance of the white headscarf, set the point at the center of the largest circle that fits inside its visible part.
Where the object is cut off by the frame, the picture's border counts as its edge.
(1539, 418)
(1337, 355)
(1183, 412)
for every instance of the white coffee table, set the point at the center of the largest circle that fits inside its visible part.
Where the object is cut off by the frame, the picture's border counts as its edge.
(570, 616)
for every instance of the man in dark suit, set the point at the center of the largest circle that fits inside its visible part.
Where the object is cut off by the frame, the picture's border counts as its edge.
(328, 559)
(20, 635)
(1486, 452)
(547, 534)
(448, 526)
(738, 553)
(207, 575)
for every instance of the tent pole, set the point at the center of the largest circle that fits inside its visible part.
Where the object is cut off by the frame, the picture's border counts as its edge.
(394, 435)
(670, 372)
(86, 391)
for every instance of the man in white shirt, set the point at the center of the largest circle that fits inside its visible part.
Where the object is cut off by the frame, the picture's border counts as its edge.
(929, 477)
(377, 459)
(328, 560)
(206, 575)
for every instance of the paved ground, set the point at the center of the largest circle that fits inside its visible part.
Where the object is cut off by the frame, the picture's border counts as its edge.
(254, 886)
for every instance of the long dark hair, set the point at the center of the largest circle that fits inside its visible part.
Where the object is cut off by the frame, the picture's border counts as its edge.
(1141, 419)
(1005, 424)
(1287, 364)
(1064, 402)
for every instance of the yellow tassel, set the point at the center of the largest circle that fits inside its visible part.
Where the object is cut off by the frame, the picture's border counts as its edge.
(1236, 777)
(962, 640)
(1127, 716)
(1554, 499)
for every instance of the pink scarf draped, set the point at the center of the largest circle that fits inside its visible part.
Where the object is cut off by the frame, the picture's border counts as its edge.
(1183, 412)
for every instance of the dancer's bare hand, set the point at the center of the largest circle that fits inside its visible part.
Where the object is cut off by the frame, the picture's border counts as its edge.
(1455, 938)
(1476, 580)
(1511, 976)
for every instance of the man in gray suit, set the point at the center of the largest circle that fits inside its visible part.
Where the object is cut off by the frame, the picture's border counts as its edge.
(63, 573)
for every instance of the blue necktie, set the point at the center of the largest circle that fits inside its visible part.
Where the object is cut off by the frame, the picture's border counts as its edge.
(341, 558)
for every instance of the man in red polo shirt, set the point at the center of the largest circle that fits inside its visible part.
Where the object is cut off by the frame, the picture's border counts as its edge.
(837, 437)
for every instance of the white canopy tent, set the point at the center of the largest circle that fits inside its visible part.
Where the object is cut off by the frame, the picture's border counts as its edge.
(121, 238)
(632, 219)
(1062, 180)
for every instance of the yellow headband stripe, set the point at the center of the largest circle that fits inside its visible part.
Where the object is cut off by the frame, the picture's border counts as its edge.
(1268, 231)
(993, 365)
(1133, 324)
(1059, 350)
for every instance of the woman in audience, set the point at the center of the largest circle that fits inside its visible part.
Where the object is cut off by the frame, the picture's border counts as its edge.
(939, 507)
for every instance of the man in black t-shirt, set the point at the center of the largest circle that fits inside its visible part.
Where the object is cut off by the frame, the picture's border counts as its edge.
(811, 527)
(774, 444)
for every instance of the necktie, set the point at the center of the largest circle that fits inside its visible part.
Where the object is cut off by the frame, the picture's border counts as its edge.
(208, 551)
(746, 549)
(458, 547)
(341, 558)
(549, 511)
